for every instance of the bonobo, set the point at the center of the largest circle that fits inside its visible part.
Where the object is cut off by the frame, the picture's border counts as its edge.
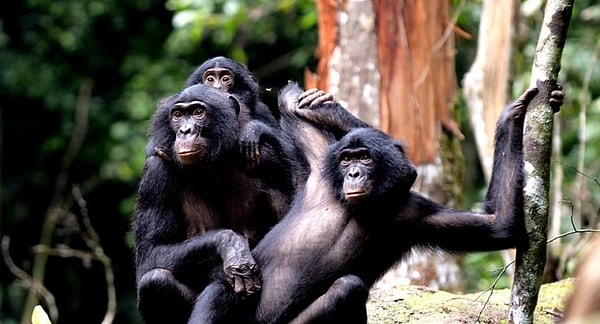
(196, 211)
(357, 216)
(256, 119)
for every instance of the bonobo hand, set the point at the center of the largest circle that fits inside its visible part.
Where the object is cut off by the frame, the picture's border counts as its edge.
(313, 97)
(241, 271)
(242, 275)
(519, 106)
(162, 153)
(557, 97)
(250, 144)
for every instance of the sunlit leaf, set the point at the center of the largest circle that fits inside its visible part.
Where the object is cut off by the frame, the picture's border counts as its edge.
(39, 316)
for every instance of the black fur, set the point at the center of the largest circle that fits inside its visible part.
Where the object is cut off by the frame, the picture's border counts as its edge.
(195, 213)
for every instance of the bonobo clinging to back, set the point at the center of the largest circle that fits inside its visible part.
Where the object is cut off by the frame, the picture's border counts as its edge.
(259, 129)
(357, 216)
(256, 119)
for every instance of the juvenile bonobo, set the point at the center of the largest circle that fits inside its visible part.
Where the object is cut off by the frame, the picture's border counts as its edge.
(357, 216)
(256, 119)
(196, 211)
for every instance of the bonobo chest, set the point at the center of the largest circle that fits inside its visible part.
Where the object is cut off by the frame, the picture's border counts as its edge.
(222, 202)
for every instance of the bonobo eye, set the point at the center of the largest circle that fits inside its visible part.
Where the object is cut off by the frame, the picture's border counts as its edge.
(366, 158)
(199, 113)
(226, 79)
(176, 114)
(209, 79)
(345, 160)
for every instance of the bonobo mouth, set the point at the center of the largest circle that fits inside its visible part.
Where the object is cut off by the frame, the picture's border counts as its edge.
(353, 196)
(189, 156)
(188, 153)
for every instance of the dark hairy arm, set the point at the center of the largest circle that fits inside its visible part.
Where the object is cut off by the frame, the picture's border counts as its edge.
(160, 237)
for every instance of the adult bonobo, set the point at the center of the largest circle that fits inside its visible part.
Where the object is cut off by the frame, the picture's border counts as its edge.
(197, 209)
(357, 216)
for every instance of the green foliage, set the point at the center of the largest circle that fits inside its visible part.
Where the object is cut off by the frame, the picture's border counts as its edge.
(134, 52)
(482, 270)
(238, 28)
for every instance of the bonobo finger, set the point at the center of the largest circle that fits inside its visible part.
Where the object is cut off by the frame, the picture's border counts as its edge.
(256, 284)
(312, 98)
(230, 279)
(253, 158)
(250, 285)
(238, 285)
(526, 97)
(325, 97)
(250, 152)
(306, 98)
(162, 153)
(306, 94)
(557, 98)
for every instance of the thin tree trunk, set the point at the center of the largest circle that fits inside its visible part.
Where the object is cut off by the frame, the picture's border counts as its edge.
(537, 145)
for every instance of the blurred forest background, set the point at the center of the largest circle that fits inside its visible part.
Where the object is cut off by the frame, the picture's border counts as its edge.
(79, 81)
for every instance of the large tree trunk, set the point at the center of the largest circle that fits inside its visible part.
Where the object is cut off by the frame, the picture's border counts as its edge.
(348, 65)
(416, 60)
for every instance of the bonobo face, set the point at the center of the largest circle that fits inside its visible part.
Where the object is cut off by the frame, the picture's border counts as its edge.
(356, 165)
(366, 165)
(203, 124)
(220, 78)
(187, 120)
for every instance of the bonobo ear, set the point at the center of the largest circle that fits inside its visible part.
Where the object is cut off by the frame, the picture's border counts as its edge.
(236, 104)
(400, 146)
(405, 169)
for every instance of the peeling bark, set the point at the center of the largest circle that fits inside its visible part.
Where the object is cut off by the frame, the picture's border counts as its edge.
(537, 147)
(416, 59)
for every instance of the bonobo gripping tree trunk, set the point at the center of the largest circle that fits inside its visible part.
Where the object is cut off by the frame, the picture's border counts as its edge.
(537, 144)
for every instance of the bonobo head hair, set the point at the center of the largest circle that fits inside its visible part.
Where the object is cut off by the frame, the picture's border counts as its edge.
(245, 84)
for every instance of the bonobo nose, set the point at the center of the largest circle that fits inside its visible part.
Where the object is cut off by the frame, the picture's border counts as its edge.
(354, 172)
(185, 130)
